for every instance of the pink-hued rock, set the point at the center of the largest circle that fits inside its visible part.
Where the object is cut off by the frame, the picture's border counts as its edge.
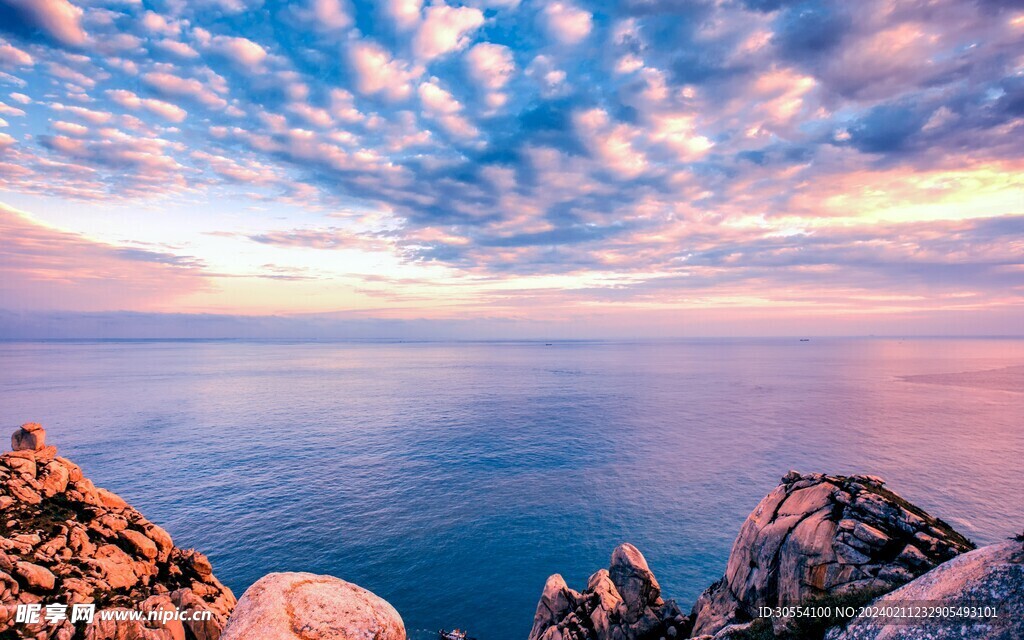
(306, 606)
(30, 437)
(992, 575)
(67, 541)
(622, 602)
(817, 535)
(34, 576)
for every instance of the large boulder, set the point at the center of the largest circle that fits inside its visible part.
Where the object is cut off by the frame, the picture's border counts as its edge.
(818, 536)
(29, 437)
(990, 576)
(306, 606)
(65, 541)
(622, 602)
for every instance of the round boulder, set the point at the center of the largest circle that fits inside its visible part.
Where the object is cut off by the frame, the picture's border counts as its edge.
(306, 606)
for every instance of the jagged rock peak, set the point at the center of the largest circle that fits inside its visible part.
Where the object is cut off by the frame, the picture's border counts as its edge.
(820, 535)
(622, 602)
(65, 541)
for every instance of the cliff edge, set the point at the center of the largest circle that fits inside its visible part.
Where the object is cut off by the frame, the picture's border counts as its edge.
(64, 541)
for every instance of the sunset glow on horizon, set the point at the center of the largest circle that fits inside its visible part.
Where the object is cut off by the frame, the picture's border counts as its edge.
(644, 167)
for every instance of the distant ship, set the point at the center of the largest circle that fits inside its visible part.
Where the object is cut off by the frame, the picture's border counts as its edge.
(454, 634)
(805, 339)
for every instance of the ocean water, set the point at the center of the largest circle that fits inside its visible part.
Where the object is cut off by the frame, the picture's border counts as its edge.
(453, 478)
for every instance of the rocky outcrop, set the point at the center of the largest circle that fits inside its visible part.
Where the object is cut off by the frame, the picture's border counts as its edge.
(65, 541)
(814, 539)
(622, 602)
(819, 536)
(304, 606)
(990, 576)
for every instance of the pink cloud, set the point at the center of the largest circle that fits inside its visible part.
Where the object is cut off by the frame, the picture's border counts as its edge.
(172, 85)
(440, 105)
(234, 171)
(47, 268)
(13, 56)
(326, 15)
(566, 23)
(491, 65)
(70, 128)
(241, 51)
(60, 19)
(405, 13)
(377, 72)
(165, 110)
(156, 23)
(445, 29)
(315, 116)
(89, 115)
(180, 49)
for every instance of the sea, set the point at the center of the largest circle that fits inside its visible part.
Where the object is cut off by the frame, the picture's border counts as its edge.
(452, 478)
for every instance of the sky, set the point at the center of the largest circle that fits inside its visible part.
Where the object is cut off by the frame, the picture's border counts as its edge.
(511, 168)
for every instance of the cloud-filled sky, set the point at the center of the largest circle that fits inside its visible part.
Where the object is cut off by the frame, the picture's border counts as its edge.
(642, 167)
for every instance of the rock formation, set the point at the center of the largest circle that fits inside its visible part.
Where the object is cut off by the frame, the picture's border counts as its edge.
(992, 575)
(65, 541)
(819, 536)
(621, 603)
(304, 606)
(814, 539)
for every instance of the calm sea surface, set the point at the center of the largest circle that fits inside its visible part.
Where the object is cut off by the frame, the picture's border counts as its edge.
(452, 479)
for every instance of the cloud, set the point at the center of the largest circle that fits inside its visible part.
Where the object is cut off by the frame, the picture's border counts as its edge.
(679, 132)
(490, 65)
(312, 115)
(440, 105)
(332, 14)
(377, 72)
(47, 268)
(550, 79)
(886, 129)
(405, 13)
(445, 29)
(236, 171)
(57, 19)
(8, 110)
(643, 153)
(155, 23)
(324, 16)
(91, 116)
(12, 56)
(330, 238)
(70, 128)
(179, 49)
(168, 84)
(241, 51)
(566, 23)
(165, 110)
(613, 143)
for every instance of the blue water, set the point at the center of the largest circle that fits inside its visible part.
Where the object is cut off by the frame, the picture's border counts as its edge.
(452, 479)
